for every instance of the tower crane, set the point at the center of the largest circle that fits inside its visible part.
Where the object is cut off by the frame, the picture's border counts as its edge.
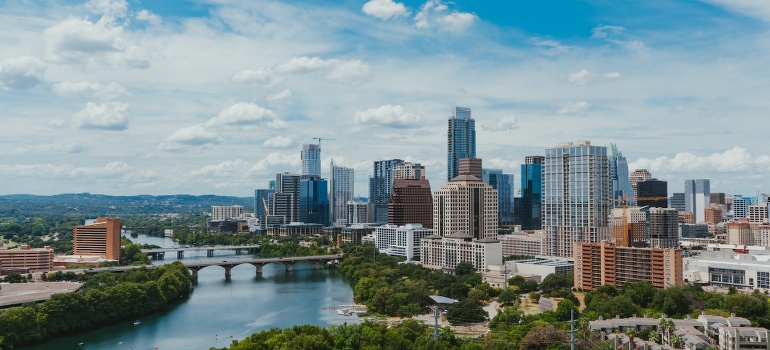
(319, 140)
(624, 201)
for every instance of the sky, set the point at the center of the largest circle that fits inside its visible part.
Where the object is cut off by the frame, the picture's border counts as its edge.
(127, 97)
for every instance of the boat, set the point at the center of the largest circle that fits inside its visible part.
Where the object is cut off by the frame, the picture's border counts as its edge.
(137, 322)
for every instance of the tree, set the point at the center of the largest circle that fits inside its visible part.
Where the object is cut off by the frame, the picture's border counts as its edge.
(654, 337)
(555, 281)
(564, 310)
(14, 277)
(542, 337)
(507, 317)
(466, 311)
(535, 297)
(476, 295)
(665, 326)
(507, 297)
(464, 268)
(631, 333)
(676, 341)
(641, 293)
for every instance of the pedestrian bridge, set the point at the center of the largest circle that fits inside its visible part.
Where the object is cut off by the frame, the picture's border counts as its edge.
(228, 265)
(160, 253)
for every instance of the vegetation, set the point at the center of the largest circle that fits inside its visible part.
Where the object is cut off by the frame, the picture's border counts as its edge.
(105, 298)
(291, 247)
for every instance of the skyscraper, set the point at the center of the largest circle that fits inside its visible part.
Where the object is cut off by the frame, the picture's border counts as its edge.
(531, 192)
(697, 197)
(637, 176)
(676, 201)
(311, 160)
(461, 139)
(621, 183)
(503, 183)
(409, 170)
(410, 202)
(465, 205)
(263, 200)
(341, 182)
(576, 195)
(313, 200)
(470, 166)
(652, 188)
(286, 197)
(380, 185)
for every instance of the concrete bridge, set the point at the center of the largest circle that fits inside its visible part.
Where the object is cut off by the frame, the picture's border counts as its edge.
(317, 260)
(160, 253)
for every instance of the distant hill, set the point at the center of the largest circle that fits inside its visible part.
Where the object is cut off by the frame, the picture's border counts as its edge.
(92, 205)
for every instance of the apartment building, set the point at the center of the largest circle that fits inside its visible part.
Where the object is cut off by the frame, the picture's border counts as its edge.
(524, 244)
(34, 259)
(446, 252)
(401, 240)
(100, 238)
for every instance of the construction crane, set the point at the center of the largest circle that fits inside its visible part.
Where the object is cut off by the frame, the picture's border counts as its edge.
(624, 201)
(319, 140)
(267, 211)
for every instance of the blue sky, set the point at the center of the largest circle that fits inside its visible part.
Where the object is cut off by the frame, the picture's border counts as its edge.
(215, 97)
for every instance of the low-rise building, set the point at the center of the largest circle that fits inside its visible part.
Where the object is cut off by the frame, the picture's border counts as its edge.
(401, 240)
(524, 244)
(446, 252)
(602, 263)
(24, 257)
(295, 229)
(739, 338)
(727, 268)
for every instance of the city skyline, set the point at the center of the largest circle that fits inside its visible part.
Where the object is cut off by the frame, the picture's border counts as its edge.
(126, 98)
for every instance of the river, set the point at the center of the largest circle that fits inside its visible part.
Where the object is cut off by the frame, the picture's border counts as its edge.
(218, 309)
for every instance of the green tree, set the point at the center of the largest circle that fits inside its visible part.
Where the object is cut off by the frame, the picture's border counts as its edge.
(564, 309)
(508, 297)
(534, 296)
(464, 268)
(641, 293)
(466, 311)
(555, 281)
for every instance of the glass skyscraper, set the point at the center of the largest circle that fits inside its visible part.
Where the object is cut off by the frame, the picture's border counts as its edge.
(697, 197)
(576, 195)
(340, 191)
(313, 200)
(461, 139)
(503, 183)
(621, 183)
(531, 192)
(311, 160)
(380, 185)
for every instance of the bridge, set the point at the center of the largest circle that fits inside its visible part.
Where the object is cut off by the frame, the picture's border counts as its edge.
(160, 253)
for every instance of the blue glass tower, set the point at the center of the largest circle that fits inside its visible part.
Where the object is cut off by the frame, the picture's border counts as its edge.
(313, 200)
(461, 139)
(621, 182)
(503, 183)
(531, 193)
(380, 185)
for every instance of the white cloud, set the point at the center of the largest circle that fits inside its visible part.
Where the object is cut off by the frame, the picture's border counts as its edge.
(48, 148)
(111, 170)
(352, 72)
(261, 77)
(280, 98)
(116, 8)
(21, 73)
(390, 116)
(456, 21)
(104, 116)
(752, 8)
(507, 165)
(148, 17)
(244, 114)
(737, 159)
(195, 135)
(573, 107)
(88, 89)
(80, 41)
(224, 169)
(301, 65)
(275, 159)
(384, 9)
(601, 32)
(505, 123)
(279, 142)
(553, 46)
(432, 14)
(585, 77)
(677, 108)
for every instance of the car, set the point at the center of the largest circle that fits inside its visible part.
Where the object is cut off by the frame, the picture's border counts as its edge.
(224, 260)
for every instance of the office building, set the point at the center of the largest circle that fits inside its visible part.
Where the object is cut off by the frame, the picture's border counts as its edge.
(503, 183)
(100, 238)
(686, 218)
(224, 212)
(717, 198)
(662, 227)
(741, 206)
(576, 195)
(411, 202)
(359, 212)
(529, 212)
(693, 230)
(621, 182)
(401, 241)
(313, 200)
(676, 201)
(467, 205)
(739, 233)
(380, 185)
(653, 188)
(638, 176)
(713, 215)
(445, 252)
(635, 234)
(758, 214)
(311, 160)
(286, 197)
(341, 184)
(461, 139)
(697, 195)
(24, 257)
(409, 170)
(524, 244)
(597, 264)
(471, 166)
(263, 201)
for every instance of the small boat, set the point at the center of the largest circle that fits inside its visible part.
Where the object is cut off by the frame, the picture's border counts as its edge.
(81, 343)
(137, 322)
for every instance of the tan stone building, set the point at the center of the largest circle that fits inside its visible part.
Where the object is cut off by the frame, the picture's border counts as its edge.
(34, 259)
(465, 204)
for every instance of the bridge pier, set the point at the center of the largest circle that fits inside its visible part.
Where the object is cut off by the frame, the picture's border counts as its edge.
(194, 272)
(238, 251)
(180, 254)
(316, 264)
(210, 252)
(288, 265)
(228, 269)
(259, 268)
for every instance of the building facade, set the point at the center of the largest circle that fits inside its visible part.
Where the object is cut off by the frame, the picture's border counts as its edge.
(380, 185)
(224, 212)
(401, 240)
(503, 183)
(524, 244)
(621, 182)
(411, 202)
(311, 160)
(286, 197)
(100, 238)
(263, 201)
(24, 257)
(471, 166)
(662, 229)
(359, 212)
(758, 214)
(653, 188)
(638, 176)
(313, 200)
(409, 170)
(530, 217)
(677, 201)
(465, 204)
(446, 252)
(576, 195)
(602, 263)
(461, 139)
(341, 185)
(697, 196)
(739, 233)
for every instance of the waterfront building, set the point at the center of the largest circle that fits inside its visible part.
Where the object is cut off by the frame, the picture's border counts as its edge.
(445, 252)
(263, 201)
(409, 170)
(224, 212)
(621, 182)
(100, 238)
(471, 166)
(638, 176)
(697, 194)
(380, 185)
(576, 195)
(503, 183)
(531, 193)
(401, 241)
(465, 204)
(286, 197)
(676, 201)
(461, 139)
(311, 160)
(24, 257)
(341, 185)
(313, 200)
(653, 188)
(411, 202)
(293, 229)
(359, 212)
(597, 264)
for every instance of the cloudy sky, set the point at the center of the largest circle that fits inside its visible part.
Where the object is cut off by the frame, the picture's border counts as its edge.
(215, 97)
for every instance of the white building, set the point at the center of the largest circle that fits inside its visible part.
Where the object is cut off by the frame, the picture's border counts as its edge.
(222, 213)
(340, 192)
(409, 170)
(727, 268)
(758, 214)
(359, 212)
(400, 240)
(521, 243)
(736, 338)
(446, 252)
(465, 204)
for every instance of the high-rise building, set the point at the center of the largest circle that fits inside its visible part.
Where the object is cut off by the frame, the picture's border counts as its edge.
(576, 195)
(263, 201)
(466, 205)
(359, 212)
(531, 193)
(100, 238)
(621, 183)
(461, 139)
(286, 197)
(637, 176)
(676, 201)
(717, 198)
(652, 189)
(741, 206)
(601, 263)
(411, 202)
(697, 195)
(380, 185)
(341, 184)
(739, 233)
(662, 227)
(503, 183)
(409, 170)
(313, 200)
(470, 166)
(224, 212)
(713, 215)
(401, 240)
(311, 160)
